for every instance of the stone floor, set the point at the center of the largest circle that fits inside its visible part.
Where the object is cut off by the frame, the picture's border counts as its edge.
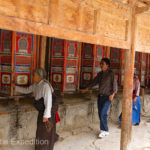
(86, 138)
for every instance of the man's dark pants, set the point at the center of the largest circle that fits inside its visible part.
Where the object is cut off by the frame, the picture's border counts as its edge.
(103, 106)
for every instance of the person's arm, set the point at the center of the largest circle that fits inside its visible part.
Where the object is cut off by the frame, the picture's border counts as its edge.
(47, 95)
(24, 90)
(137, 89)
(115, 87)
(94, 82)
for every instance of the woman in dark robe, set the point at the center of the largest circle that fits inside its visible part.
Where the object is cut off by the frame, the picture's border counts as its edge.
(46, 104)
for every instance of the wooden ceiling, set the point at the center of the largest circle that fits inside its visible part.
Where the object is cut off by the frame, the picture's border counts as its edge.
(105, 22)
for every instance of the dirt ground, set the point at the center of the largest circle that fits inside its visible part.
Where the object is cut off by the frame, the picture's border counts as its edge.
(86, 138)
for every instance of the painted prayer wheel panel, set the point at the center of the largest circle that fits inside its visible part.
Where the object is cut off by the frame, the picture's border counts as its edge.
(5, 61)
(64, 68)
(91, 57)
(23, 60)
(57, 63)
(71, 68)
(115, 55)
(100, 52)
(87, 64)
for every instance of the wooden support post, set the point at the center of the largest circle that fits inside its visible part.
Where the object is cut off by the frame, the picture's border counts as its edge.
(37, 51)
(79, 65)
(94, 57)
(34, 52)
(0, 56)
(13, 62)
(108, 52)
(141, 68)
(49, 59)
(147, 70)
(65, 55)
(43, 52)
(121, 66)
(126, 123)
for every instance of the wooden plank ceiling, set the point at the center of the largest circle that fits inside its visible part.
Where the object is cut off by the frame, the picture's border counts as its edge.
(104, 22)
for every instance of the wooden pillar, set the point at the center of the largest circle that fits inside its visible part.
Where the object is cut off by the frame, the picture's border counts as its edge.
(94, 57)
(121, 66)
(43, 52)
(37, 51)
(141, 68)
(79, 65)
(13, 62)
(65, 55)
(108, 52)
(34, 52)
(126, 123)
(49, 59)
(147, 70)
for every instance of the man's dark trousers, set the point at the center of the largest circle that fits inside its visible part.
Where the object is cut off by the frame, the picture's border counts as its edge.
(103, 106)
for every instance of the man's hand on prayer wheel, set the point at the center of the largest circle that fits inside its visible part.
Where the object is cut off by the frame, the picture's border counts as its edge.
(45, 119)
(84, 90)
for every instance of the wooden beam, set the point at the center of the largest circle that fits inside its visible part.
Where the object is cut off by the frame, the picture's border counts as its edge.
(37, 51)
(21, 25)
(94, 57)
(122, 63)
(13, 63)
(146, 2)
(33, 56)
(34, 51)
(147, 70)
(65, 55)
(49, 60)
(79, 65)
(141, 67)
(43, 52)
(126, 123)
(140, 10)
(108, 52)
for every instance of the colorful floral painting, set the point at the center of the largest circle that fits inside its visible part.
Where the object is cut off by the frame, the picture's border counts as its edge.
(57, 78)
(87, 76)
(22, 79)
(70, 79)
(6, 79)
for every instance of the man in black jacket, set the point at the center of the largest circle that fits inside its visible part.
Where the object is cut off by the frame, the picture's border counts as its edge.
(107, 90)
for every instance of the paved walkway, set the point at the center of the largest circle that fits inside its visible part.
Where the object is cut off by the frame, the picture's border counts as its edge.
(86, 139)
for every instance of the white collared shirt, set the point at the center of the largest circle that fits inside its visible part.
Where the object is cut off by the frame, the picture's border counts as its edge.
(42, 89)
